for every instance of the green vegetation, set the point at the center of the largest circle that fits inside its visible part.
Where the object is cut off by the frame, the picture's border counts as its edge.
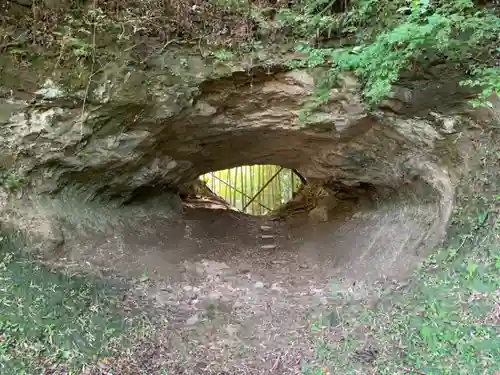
(388, 38)
(380, 41)
(11, 181)
(50, 320)
(256, 189)
(445, 321)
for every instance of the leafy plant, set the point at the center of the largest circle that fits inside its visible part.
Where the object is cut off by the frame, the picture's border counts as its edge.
(49, 319)
(390, 38)
(223, 55)
(488, 80)
(11, 181)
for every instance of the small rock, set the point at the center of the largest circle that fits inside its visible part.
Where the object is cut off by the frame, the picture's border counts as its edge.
(319, 214)
(232, 330)
(244, 268)
(279, 262)
(259, 284)
(350, 82)
(205, 109)
(163, 298)
(269, 247)
(50, 90)
(392, 105)
(193, 320)
(277, 288)
(237, 305)
(190, 296)
(214, 296)
(200, 270)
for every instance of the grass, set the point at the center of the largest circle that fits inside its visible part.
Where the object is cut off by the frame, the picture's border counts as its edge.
(444, 323)
(446, 320)
(50, 320)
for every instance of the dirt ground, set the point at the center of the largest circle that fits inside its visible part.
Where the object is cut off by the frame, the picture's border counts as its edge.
(225, 304)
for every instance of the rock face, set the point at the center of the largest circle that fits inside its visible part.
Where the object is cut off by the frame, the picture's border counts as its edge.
(122, 144)
(134, 135)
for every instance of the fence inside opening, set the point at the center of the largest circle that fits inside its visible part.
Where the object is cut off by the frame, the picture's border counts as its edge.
(254, 189)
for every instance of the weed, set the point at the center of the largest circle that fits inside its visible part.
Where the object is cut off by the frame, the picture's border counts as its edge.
(383, 39)
(223, 56)
(52, 320)
(446, 321)
(11, 181)
(378, 41)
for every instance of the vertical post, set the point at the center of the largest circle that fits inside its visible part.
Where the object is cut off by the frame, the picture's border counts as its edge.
(233, 195)
(243, 200)
(259, 184)
(280, 188)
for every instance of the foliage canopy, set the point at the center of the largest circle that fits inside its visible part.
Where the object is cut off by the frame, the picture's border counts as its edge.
(377, 40)
(382, 39)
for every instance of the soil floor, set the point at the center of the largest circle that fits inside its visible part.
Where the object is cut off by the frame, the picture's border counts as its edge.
(230, 305)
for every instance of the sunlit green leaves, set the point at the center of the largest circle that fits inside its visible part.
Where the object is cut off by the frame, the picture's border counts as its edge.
(394, 36)
(486, 78)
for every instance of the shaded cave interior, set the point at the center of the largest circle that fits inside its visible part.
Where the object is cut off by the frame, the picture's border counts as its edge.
(353, 157)
(362, 228)
(297, 198)
(311, 200)
(365, 203)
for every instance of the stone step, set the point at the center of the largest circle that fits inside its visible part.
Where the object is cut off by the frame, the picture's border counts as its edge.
(265, 228)
(264, 236)
(269, 247)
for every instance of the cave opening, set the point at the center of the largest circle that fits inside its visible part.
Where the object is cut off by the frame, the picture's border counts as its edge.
(257, 190)
(274, 192)
(358, 227)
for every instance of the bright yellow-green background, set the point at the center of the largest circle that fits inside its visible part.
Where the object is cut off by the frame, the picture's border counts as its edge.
(239, 185)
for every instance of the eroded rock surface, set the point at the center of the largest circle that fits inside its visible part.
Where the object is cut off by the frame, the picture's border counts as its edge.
(89, 182)
(120, 145)
(81, 162)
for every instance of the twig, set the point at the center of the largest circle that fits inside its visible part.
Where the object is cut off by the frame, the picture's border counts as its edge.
(276, 363)
(14, 42)
(94, 6)
(409, 370)
(61, 51)
(160, 51)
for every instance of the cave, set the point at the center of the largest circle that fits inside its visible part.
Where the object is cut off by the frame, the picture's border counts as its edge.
(377, 186)
(254, 189)
(361, 136)
(363, 231)
(103, 191)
